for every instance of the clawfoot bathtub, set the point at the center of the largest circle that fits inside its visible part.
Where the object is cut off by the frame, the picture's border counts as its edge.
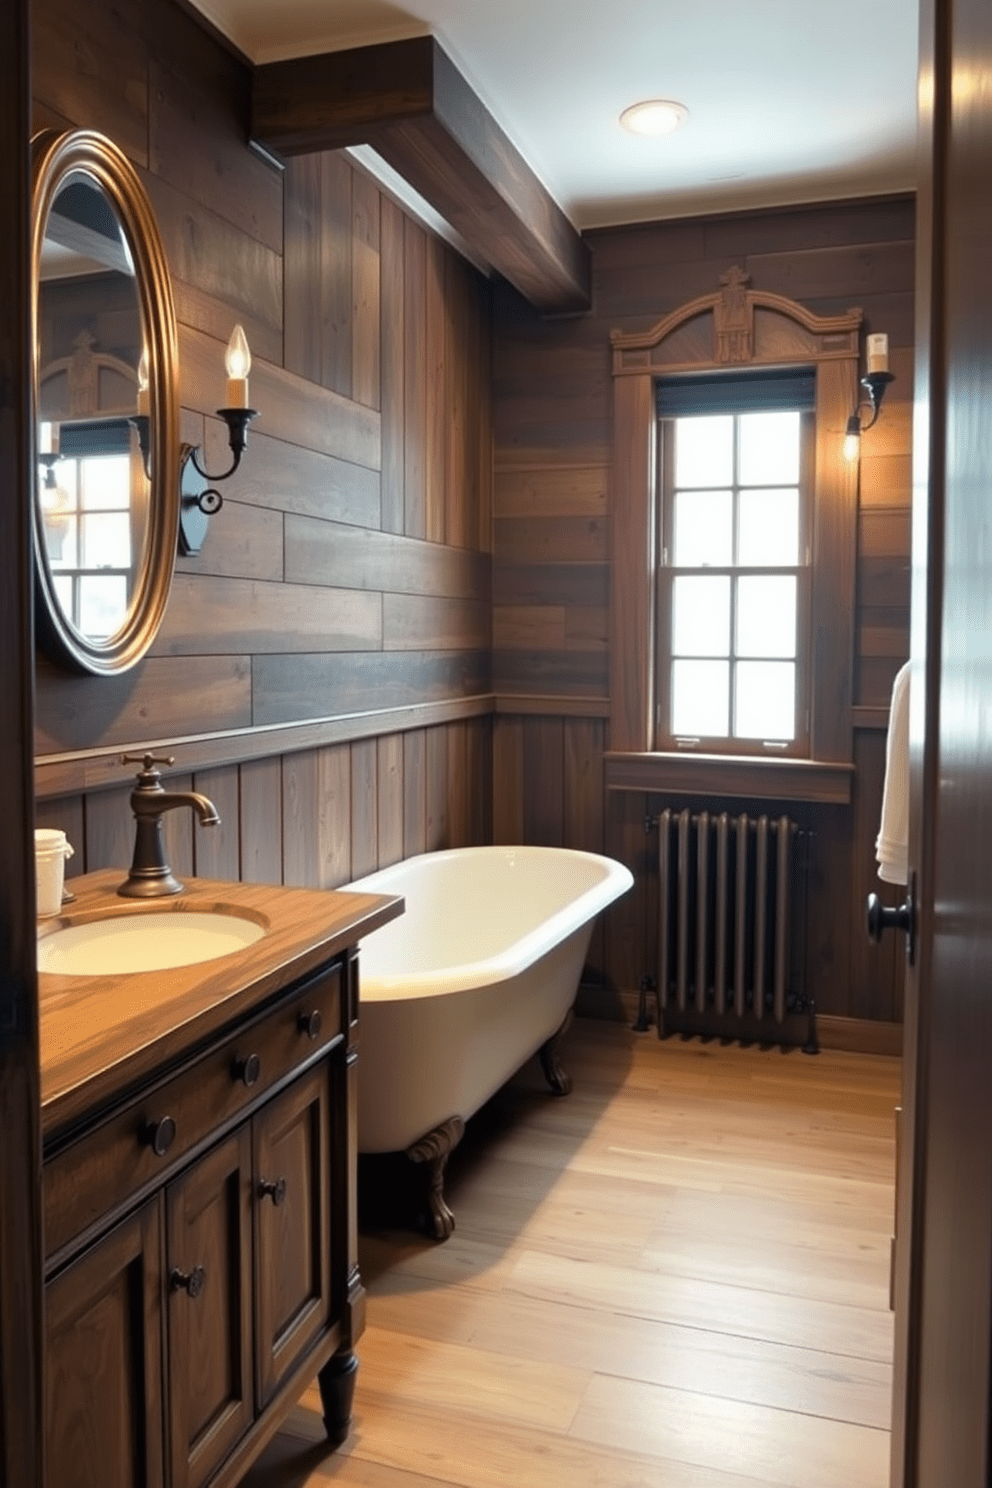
(478, 974)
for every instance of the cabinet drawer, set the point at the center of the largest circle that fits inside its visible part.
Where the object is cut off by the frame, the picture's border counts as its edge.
(140, 1143)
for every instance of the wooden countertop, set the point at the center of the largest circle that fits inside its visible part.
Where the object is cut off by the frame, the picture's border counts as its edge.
(99, 1034)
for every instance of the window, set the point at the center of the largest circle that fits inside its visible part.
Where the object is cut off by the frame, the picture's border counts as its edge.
(745, 340)
(86, 510)
(734, 574)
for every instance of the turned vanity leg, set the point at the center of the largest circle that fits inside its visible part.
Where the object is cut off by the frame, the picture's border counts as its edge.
(433, 1149)
(337, 1394)
(559, 1079)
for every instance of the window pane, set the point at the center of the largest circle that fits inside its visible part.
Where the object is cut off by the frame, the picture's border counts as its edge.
(700, 699)
(704, 451)
(107, 540)
(701, 616)
(704, 529)
(769, 449)
(60, 540)
(102, 604)
(769, 529)
(765, 702)
(62, 584)
(106, 482)
(766, 616)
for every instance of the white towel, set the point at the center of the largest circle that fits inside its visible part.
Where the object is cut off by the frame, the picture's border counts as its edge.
(892, 842)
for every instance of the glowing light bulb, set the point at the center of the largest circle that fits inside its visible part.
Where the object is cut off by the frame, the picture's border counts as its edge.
(237, 360)
(143, 396)
(656, 116)
(852, 438)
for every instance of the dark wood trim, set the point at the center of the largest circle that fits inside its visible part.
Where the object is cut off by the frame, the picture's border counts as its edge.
(749, 328)
(859, 1035)
(21, 1332)
(864, 717)
(552, 707)
(411, 104)
(97, 769)
(822, 782)
(632, 588)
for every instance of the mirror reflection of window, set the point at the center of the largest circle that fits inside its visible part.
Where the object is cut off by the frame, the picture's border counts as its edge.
(89, 515)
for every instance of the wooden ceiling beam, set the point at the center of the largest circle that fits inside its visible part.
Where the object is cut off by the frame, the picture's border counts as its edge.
(408, 101)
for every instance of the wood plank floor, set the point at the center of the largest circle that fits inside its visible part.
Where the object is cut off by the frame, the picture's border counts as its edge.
(676, 1277)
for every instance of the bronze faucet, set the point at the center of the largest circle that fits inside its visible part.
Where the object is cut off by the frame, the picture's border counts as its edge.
(150, 876)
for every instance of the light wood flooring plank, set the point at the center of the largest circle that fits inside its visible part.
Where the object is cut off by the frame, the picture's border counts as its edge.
(675, 1278)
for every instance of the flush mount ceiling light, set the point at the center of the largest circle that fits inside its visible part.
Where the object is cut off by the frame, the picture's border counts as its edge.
(655, 116)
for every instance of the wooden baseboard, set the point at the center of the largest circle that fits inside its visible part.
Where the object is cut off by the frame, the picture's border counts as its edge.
(859, 1035)
(852, 1035)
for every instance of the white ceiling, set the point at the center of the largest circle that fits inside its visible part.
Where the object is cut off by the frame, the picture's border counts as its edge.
(789, 100)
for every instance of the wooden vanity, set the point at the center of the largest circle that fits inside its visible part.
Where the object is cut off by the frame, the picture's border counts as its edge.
(199, 1190)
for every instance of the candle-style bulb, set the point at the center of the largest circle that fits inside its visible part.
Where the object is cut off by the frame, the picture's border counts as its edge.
(878, 352)
(852, 438)
(143, 397)
(237, 360)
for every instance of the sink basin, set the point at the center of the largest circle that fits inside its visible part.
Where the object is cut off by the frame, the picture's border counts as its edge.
(144, 941)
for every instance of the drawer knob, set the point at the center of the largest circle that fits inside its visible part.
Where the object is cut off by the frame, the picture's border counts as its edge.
(248, 1070)
(274, 1191)
(158, 1135)
(188, 1281)
(310, 1023)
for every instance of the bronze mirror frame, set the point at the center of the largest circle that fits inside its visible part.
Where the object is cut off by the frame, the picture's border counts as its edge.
(55, 156)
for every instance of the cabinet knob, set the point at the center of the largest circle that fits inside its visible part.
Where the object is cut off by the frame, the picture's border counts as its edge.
(310, 1023)
(275, 1191)
(188, 1281)
(247, 1070)
(158, 1135)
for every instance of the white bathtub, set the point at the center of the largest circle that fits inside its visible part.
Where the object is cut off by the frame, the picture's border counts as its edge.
(478, 974)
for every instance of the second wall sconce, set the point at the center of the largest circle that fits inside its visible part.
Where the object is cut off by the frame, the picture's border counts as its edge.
(874, 382)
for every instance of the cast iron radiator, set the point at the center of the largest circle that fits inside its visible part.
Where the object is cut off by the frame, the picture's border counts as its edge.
(731, 918)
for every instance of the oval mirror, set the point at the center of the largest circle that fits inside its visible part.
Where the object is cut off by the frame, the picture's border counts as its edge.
(106, 498)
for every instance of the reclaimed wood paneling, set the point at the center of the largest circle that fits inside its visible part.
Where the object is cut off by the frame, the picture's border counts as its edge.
(260, 821)
(370, 343)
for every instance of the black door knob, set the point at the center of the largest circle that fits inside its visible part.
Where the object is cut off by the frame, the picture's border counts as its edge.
(880, 917)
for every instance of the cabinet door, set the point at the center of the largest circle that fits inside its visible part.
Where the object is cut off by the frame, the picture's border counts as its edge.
(292, 1227)
(103, 1376)
(208, 1225)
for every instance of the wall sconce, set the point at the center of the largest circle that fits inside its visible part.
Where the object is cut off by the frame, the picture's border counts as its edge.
(199, 499)
(874, 382)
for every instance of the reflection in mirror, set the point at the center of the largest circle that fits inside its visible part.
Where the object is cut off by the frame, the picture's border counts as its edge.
(94, 489)
(106, 499)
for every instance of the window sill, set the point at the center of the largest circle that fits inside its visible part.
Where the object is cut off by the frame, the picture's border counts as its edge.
(750, 777)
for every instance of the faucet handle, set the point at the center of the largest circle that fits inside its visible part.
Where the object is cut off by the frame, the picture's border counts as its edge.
(149, 761)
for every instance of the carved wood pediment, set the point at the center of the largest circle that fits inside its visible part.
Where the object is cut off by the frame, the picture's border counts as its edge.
(736, 326)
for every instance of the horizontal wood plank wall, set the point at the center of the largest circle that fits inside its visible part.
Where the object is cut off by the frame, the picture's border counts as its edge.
(349, 570)
(552, 411)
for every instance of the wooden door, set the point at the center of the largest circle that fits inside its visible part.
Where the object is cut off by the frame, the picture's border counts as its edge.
(941, 1415)
(21, 1348)
(292, 1227)
(103, 1387)
(208, 1279)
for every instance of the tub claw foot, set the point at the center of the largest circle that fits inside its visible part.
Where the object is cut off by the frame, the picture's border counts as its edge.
(433, 1149)
(558, 1078)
